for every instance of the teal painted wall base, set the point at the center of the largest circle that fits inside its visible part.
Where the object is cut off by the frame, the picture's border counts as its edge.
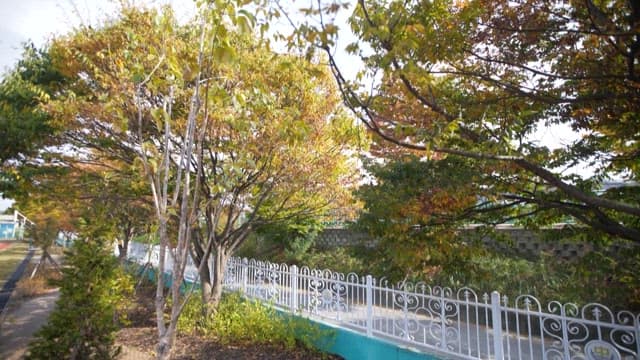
(352, 345)
(346, 343)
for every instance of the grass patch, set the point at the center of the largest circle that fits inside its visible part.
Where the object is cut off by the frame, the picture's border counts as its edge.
(10, 258)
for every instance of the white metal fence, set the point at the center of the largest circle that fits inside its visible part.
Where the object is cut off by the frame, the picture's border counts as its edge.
(458, 323)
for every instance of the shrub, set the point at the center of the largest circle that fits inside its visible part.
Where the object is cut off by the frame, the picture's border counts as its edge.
(339, 259)
(93, 290)
(596, 277)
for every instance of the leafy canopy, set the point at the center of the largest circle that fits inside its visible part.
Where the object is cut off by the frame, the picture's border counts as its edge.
(477, 79)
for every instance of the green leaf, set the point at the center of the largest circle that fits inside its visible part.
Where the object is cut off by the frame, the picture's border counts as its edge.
(224, 54)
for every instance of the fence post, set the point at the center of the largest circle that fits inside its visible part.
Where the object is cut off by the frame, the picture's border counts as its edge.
(245, 270)
(294, 288)
(496, 315)
(369, 299)
(443, 320)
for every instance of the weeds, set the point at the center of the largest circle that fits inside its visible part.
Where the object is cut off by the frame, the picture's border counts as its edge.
(32, 287)
(241, 321)
(38, 285)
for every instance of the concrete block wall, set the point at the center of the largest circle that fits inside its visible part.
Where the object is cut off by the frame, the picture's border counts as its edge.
(336, 237)
(511, 240)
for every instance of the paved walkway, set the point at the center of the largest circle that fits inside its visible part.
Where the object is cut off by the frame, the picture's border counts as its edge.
(22, 320)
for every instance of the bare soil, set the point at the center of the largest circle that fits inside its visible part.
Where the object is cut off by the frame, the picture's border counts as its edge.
(139, 338)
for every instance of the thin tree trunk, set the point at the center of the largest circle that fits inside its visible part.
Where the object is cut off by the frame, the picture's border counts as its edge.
(219, 266)
(166, 337)
(122, 252)
(123, 248)
(165, 343)
(201, 256)
(205, 283)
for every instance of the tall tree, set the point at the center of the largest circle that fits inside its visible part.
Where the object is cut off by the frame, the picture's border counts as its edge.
(477, 79)
(134, 97)
(229, 135)
(268, 152)
(90, 160)
(44, 234)
(417, 208)
(62, 189)
(24, 126)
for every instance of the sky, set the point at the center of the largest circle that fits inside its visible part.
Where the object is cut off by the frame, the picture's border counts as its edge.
(40, 20)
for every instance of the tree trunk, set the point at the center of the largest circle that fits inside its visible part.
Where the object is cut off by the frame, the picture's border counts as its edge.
(166, 334)
(205, 282)
(219, 266)
(165, 343)
(167, 340)
(200, 255)
(124, 247)
(122, 252)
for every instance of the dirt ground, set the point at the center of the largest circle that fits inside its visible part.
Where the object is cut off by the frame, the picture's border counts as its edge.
(139, 339)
